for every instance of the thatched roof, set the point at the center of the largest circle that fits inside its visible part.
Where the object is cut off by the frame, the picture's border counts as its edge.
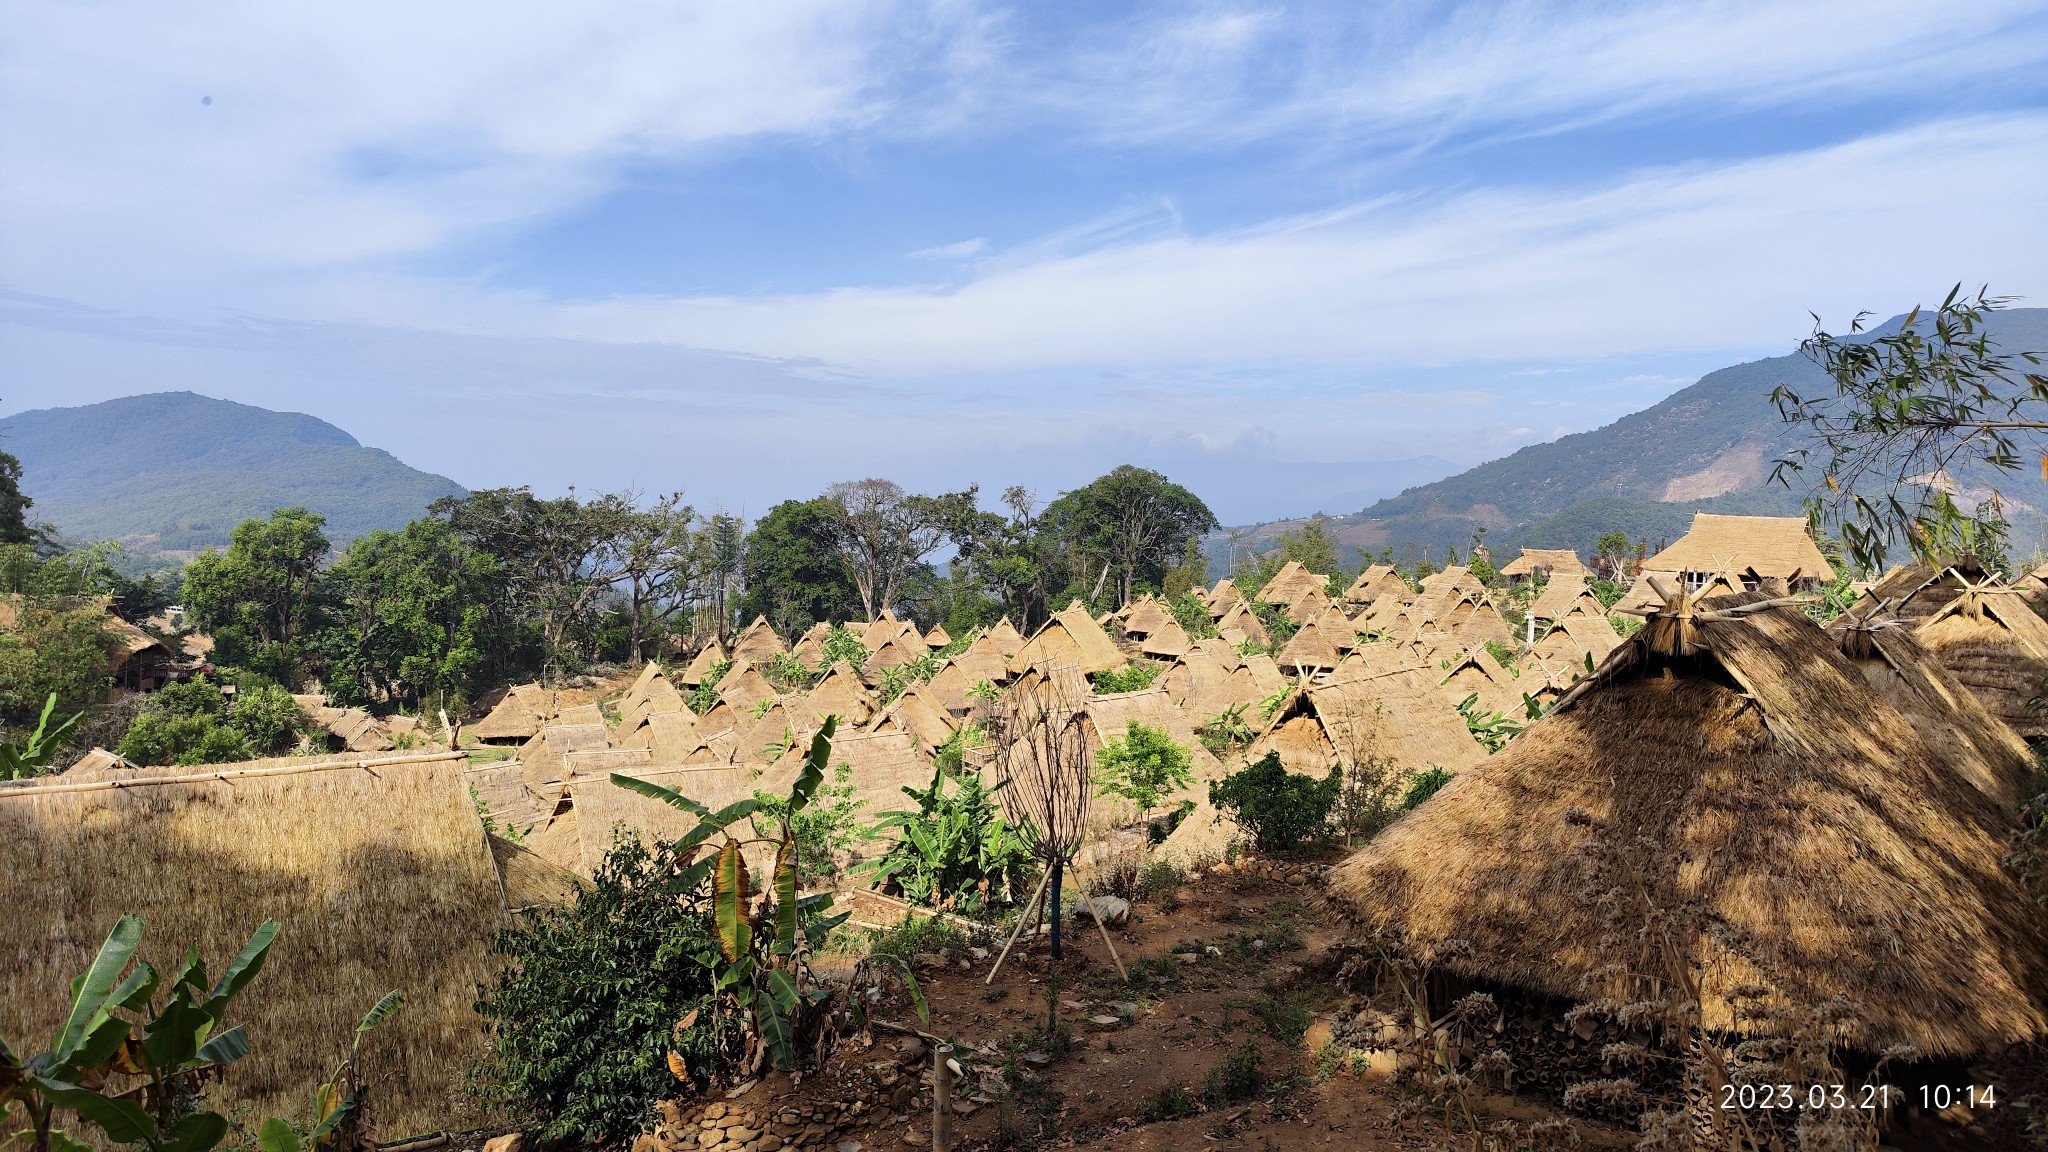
(694, 675)
(1108, 717)
(1551, 562)
(1145, 617)
(759, 643)
(938, 637)
(896, 650)
(1374, 584)
(1070, 638)
(1982, 749)
(1310, 649)
(809, 648)
(94, 765)
(1775, 546)
(528, 880)
(1740, 765)
(950, 684)
(1642, 596)
(1469, 675)
(1222, 596)
(1559, 595)
(744, 687)
(1005, 637)
(514, 719)
(1993, 642)
(840, 693)
(1401, 714)
(1168, 640)
(1291, 583)
(375, 866)
(915, 714)
(1913, 592)
(1240, 624)
(542, 757)
(1310, 603)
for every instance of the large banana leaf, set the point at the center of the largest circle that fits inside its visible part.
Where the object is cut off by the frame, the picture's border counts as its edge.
(381, 1011)
(91, 990)
(729, 902)
(242, 969)
(813, 773)
(785, 898)
(123, 1121)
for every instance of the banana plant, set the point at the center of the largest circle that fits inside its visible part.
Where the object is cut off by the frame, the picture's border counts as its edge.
(763, 976)
(174, 1051)
(954, 848)
(33, 756)
(338, 1106)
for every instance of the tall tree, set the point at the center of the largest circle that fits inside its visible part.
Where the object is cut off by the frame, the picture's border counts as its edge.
(14, 526)
(791, 568)
(882, 533)
(1132, 524)
(414, 618)
(260, 599)
(558, 557)
(660, 561)
(1008, 557)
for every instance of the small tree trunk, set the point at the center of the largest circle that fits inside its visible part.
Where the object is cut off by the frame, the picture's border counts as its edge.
(1058, 866)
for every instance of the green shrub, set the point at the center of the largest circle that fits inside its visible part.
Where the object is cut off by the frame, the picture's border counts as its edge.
(1286, 1016)
(1280, 627)
(1170, 1103)
(1283, 811)
(1133, 677)
(1241, 1076)
(1425, 784)
(1144, 766)
(585, 1013)
(843, 643)
(1158, 880)
(955, 851)
(704, 697)
(1192, 614)
(826, 827)
(196, 723)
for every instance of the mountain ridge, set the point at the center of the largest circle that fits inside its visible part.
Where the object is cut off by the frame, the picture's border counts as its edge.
(1708, 447)
(174, 472)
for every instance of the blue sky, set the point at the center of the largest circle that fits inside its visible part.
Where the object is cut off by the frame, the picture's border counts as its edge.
(1296, 255)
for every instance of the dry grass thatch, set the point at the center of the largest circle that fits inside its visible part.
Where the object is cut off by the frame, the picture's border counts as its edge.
(1070, 639)
(529, 880)
(1992, 641)
(1981, 748)
(1768, 546)
(1551, 562)
(1738, 764)
(378, 873)
(1400, 714)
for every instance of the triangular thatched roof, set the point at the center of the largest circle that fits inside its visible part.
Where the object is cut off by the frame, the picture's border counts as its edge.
(1070, 638)
(759, 643)
(1222, 596)
(1168, 640)
(1740, 766)
(1989, 638)
(1376, 582)
(1145, 617)
(700, 668)
(1309, 650)
(1291, 583)
(1006, 637)
(1239, 624)
(840, 693)
(1551, 562)
(1781, 547)
(1983, 749)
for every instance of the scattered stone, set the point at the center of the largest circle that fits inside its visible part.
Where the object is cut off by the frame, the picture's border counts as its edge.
(848, 1146)
(1038, 1058)
(1074, 1005)
(1106, 909)
(965, 1107)
(1104, 1021)
(1211, 950)
(509, 1142)
(1128, 1009)
(978, 953)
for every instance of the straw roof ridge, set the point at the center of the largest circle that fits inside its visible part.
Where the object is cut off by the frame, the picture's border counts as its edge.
(1555, 561)
(1777, 546)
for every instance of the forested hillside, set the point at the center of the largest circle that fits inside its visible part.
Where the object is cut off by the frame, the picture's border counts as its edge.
(176, 471)
(1707, 447)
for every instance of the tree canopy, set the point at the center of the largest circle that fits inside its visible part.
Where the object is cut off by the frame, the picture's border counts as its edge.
(1131, 525)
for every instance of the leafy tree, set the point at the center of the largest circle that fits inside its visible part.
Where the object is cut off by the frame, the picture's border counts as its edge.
(260, 600)
(1612, 550)
(1133, 524)
(1009, 559)
(194, 723)
(1193, 571)
(14, 525)
(1908, 412)
(1310, 545)
(558, 558)
(1132, 677)
(954, 851)
(1144, 766)
(1283, 811)
(790, 569)
(59, 647)
(661, 560)
(1192, 614)
(1426, 783)
(882, 534)
(415, 617)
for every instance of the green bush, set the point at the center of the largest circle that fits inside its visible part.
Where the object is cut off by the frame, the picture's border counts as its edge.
(1144, 766)
(1169, 1103)
(1425, 784)
(586, 1012)
(268, 716)
(1133, 677)
(826, 827)
(955, 851)
(1192, 614)
(704, 697)
(196, 723)
(1283, 811)
(1241, 1076)
(1286, 1016)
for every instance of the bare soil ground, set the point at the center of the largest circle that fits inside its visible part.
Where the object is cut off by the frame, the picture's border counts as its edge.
(1068, 1054)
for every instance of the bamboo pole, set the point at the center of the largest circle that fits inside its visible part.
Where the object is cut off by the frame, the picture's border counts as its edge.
(228, 776)
(942, 1098)
(1019, 929)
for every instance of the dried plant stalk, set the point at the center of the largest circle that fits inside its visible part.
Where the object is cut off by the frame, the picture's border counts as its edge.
(1043, 757)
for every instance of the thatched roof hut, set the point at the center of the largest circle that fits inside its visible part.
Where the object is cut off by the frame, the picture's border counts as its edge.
(759, 643)
(1561, 596)
(1006, 638)
(517, 716)
(1735, 772)
(1223, 596)
(1994, 642)
(1309, 650)
(938, 637)
(1482, 624)
(1168, 641)
(1550, 563)
(527, 880)
(840, 693)
(1240, 625)
(1291, 583)
(1399, 713)
(375, 866)
(1642, 596)
(1751, 548)
(744, 687)
(1377, 581)
(1144, 616)
(700, 667)
(1070, 638)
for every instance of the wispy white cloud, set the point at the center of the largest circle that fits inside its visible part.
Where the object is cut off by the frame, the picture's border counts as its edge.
(959, 251)
(1502, 273)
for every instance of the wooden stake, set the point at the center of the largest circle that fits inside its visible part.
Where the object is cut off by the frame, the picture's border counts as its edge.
(1104, 929)
(1019, 929)
(942, 1098)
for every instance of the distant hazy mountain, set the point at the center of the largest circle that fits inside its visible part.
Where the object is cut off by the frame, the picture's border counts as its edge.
(176, 471)
(1706, 447)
